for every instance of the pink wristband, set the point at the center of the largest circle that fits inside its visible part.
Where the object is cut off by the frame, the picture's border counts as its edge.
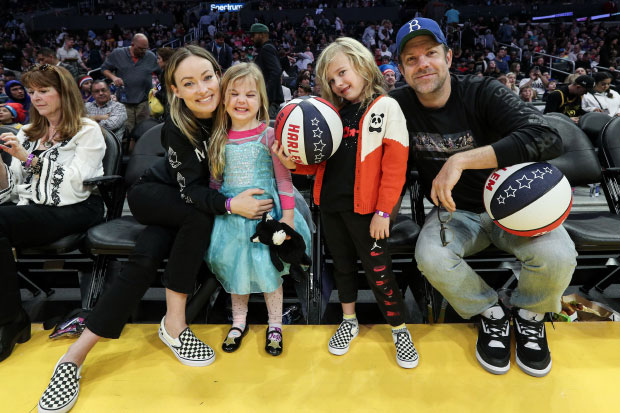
(382, 214)
(29, 160)
(228, 211)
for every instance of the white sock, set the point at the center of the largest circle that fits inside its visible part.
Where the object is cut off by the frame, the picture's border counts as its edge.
(530, 315)
(494, 313)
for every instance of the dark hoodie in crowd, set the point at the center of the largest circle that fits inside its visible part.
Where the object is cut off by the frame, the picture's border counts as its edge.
(25, 102)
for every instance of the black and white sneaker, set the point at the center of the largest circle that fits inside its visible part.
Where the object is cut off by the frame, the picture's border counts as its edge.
(188, 348)
(406, 354)
(340, 341)
(62, 392)
(533, 356)
(493, 345)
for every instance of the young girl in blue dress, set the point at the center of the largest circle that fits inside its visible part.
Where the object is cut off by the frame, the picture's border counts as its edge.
(240, 158)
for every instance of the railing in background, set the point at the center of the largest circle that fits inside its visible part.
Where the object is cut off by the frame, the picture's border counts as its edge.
(551, 59)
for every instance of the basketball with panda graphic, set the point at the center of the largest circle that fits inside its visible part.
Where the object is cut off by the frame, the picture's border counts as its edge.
(528, 199)
(310, 130)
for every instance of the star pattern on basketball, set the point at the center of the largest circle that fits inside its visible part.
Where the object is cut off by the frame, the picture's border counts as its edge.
(548, 170)
(317, 132)
(522, 184)
(315, 122)
(318, 158)
(318, 146)
(538, 174)
(510, 192)
(501, 200)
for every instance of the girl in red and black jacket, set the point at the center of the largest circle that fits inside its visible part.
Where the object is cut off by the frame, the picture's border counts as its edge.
(359, 186)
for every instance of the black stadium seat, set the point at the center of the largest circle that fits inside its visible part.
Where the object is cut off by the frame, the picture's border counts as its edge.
(117, 237)
(592, 124)
(609, 155)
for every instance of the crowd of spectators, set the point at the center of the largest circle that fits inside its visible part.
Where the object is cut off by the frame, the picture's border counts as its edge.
(531, 59)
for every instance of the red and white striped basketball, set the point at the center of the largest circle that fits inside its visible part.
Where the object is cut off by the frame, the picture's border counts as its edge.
(528, 199)
(310, 130)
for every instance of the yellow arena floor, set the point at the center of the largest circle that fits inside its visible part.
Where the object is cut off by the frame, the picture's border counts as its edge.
(139, 374)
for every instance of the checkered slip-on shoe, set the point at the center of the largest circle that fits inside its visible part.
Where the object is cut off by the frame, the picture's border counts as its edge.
(188, 348)
(406, 354)
(340, 341)
(62, 392)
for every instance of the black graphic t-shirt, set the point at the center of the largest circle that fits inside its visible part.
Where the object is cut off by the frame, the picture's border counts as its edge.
(479, 112)
(339, 178)
(560, 100)
(186, 166)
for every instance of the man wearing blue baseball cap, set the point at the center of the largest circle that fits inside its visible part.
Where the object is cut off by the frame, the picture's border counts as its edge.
(461, 128)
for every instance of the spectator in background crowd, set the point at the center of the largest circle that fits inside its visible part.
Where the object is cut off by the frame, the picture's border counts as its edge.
(527, 93)
(304, 90)
(3, 97)
(512, 82)
(553, 85)
(602, 98)
(163, 55)
(536, 80)
(221, 51)
(389, 74)
(452, 15)
(501, 60)
(13, 115)
(47, 56)
(17, 93)
(492, 70)
(515, 67)
(10, 55)
(106, 112)
(580, 71)
(268, 61)
(567, 99)
(67, 54)
(84, 83)
(134, 66)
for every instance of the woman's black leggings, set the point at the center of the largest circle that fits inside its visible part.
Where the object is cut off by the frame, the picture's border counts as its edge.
(175, 230)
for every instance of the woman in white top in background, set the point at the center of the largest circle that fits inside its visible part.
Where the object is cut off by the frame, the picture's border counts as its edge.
(602, 98)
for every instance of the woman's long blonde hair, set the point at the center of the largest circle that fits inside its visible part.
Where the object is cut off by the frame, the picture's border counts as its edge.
(72, 108)
(363, 63)
(181, 116)
(217, 143)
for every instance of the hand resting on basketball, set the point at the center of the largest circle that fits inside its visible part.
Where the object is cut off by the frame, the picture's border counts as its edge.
(286, 160)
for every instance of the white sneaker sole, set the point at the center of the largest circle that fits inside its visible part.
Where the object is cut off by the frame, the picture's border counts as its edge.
(534, 372)
(490, 368)
(408, 364)
(341, 351)
(187, 362)
(64, 409)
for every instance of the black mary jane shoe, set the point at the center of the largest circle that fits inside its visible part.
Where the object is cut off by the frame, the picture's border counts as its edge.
(274, 347)
(17, 331)
(232, 343)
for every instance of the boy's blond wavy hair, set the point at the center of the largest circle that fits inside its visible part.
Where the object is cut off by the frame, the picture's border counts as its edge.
(362, 62)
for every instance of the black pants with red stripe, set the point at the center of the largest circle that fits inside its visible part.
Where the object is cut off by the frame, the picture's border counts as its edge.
(348, 238)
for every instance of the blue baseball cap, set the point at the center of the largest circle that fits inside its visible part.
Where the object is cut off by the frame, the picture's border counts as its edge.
(417, 27)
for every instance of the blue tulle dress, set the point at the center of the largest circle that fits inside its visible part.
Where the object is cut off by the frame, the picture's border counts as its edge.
(242, 266)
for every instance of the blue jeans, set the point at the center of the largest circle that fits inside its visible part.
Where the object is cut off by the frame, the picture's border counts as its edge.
(548, 263)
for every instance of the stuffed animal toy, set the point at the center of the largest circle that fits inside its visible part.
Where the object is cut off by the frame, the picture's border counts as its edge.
(285, 244)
